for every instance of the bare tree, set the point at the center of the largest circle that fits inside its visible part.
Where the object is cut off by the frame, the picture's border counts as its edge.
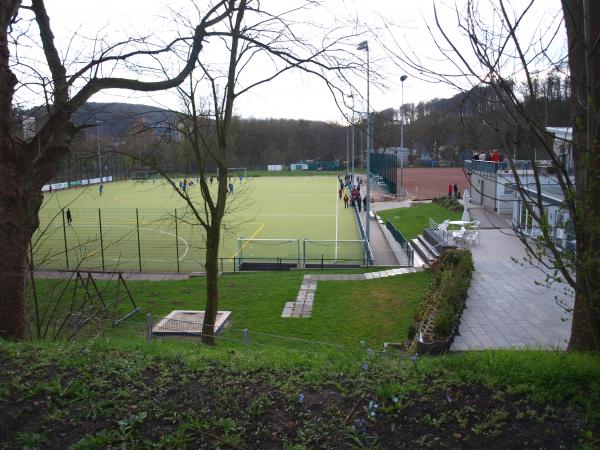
(498, 48)
(25, 166)
(253, 36)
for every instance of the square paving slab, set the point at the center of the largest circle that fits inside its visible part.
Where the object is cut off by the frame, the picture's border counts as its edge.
(187, 323)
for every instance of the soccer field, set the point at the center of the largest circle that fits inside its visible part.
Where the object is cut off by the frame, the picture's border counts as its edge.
(147, 224)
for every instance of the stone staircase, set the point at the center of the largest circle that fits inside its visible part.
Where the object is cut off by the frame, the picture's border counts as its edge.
(429, 246)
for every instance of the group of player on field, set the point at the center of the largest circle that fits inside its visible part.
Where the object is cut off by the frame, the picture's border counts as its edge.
(354, 200)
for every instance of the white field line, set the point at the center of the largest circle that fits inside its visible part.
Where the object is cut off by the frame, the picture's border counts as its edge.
(187, 247)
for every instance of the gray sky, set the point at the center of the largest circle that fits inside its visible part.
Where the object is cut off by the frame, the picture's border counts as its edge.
(298, 95)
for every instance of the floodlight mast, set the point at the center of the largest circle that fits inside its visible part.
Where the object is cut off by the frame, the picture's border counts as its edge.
(364, 45)
(98, 123)
(402, 80)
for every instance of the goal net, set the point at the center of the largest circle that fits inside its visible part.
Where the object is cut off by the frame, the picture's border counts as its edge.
(334, 251)
(237, 172)
(255, 249)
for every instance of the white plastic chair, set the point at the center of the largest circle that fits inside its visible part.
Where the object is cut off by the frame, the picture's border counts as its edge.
(460, 235)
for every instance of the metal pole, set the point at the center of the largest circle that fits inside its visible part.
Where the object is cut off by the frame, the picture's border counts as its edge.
(101, 239)
(137, 221)
(149, 327)
(369, 144)
(353, 143)
(65, 237)
(177, 242)
(99, 157)
(347, 146)
(402, 79)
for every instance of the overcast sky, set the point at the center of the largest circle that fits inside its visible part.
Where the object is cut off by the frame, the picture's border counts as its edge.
(298, 95)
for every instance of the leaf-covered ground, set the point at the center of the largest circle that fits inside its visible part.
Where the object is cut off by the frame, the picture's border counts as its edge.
(105, 395)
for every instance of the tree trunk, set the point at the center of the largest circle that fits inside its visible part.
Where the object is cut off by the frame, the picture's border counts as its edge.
(584, 64)
(14, 234)
(212, 283)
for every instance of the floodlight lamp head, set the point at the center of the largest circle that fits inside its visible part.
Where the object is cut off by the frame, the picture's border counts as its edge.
(403, 78)
(364, 45)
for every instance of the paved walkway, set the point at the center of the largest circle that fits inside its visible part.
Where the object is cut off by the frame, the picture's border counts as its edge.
(386, 251)
(505, 308)
(302, 306)
(144, 276)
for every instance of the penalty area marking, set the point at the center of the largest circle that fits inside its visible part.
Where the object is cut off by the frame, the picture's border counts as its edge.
(187, 246)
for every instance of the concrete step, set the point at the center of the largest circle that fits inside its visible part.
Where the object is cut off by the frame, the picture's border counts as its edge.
(433, 251)
(421, 251)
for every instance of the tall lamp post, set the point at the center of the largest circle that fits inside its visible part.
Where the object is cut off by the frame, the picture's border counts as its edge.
(98, 149)
(402, 80)
(364, 45)
(352, 97)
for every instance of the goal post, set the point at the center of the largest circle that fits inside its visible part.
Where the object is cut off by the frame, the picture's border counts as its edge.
(335, 251)
(263, 249)
(301, 253)
(237, 171)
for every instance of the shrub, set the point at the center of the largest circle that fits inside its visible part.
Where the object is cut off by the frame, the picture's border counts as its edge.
(450, 203)
(443, 304)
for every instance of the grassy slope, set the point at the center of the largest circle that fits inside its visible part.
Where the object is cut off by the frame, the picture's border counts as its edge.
(174, 395)
(375, 311)
(411, 221)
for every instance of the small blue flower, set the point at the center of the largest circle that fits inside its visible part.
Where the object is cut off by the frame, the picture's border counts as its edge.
(414, 358)
(360, 424)
(365, 366)
(395, 399)
(301, 398)
(449, 398)
(372, 408)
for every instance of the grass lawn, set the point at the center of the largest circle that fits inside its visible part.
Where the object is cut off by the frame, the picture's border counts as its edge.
(374, 311)
(124, 394)
(411, 221)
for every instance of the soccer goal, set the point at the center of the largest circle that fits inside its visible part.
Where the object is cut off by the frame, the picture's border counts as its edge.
(334, 252)
(267, 254)
(237, 172)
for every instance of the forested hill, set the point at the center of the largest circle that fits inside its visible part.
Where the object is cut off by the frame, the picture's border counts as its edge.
(444, 129)
(117, 118)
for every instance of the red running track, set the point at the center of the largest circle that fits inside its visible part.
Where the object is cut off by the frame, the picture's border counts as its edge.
(426, 183)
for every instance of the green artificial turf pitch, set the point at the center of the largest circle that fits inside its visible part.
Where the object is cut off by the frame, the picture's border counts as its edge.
(106, 228)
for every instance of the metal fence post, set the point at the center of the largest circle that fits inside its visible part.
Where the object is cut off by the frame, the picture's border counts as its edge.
(101, 239)
(149, 327)
(177, 240)
(245, 336)
(73, 324)
(137, 221)
(65, 237)
(304, 253)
